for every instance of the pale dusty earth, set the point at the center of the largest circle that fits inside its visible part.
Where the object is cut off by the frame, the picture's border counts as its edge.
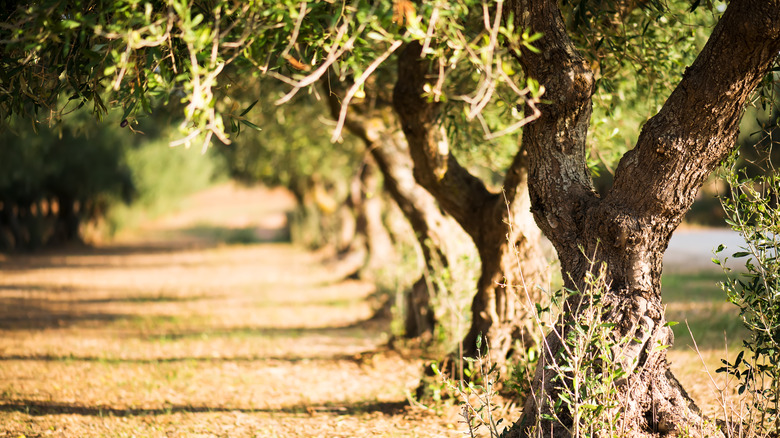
(167, 332)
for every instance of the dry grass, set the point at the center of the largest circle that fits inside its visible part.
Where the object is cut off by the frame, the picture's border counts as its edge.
(187, 337)
(696, 302)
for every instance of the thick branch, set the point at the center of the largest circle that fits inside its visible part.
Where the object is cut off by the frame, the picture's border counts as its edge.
(439, 237)
(460, 193)
(697, 126)
(374, 123)
(656, 183)
(560, 186)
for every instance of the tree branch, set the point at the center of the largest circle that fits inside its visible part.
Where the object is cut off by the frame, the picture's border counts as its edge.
(560, 185)
(698, 125)
(458, 192)
(374, 122)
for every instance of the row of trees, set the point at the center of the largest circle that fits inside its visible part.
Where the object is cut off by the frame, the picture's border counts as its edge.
(55, 180)
(454, 76)
(51, 182)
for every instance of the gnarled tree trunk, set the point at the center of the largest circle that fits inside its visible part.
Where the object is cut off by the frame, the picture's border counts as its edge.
(370, 216)
(500, 224)
(655, 184)
(439, 237)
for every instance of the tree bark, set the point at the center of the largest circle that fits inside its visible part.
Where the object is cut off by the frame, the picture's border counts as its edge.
(10, 217)
(68, 220)
(437, 235)
(500, 224)
(655, 184)
(352, 226)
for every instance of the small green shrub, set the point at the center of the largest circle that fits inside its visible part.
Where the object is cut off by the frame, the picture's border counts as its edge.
(477, 394)
(586, 367)
(752, 209)
(162, 176)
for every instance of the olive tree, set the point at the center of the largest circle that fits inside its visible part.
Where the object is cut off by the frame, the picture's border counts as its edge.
(655, 184)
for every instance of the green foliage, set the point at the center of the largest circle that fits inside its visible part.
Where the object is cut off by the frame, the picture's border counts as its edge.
(587, 366)
(752, 209)
(292, 150)
(524, 362)
(760, 130)
(161, 176)
(129, 53)
(132, 53)
(477, 394)
(136, 54)
(55, 179)
(637, 53)
(71, 159)
(588, 363)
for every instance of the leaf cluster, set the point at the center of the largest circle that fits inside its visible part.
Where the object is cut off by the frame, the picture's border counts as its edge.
(95, 168)
(586, 368)
(292, 148)
(752, 209)
(638, 50)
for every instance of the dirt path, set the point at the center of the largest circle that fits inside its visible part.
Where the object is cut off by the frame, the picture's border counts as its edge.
(170, 334)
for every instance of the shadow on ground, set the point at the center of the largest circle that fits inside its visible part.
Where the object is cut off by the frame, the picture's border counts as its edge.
(358, 358)
(242, 235)
(38, 408)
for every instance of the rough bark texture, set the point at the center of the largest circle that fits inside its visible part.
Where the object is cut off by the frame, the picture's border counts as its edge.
(500, 224)
(439, 237)
(655, 184)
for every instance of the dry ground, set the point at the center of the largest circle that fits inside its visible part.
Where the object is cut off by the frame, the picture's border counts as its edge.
(169, 333)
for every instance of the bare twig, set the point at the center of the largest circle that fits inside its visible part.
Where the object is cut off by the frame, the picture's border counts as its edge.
(356, 86)
(334, 54)
(296, 29)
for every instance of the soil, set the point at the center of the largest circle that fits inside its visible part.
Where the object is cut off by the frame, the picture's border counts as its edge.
(170, 332)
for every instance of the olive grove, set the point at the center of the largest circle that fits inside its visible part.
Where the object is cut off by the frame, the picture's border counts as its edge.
(457, 75)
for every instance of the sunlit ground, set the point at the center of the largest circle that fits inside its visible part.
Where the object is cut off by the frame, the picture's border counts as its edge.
(184, 329)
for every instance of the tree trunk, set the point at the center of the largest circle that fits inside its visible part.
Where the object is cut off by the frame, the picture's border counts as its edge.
(438, 236)
(629, 229)
(68, 220)
(500, 225)
(378, 242)
(513, 269)
(352, 226)
(440, 239)
(10, 214)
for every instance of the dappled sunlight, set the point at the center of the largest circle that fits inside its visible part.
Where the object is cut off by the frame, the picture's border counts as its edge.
(156, 333)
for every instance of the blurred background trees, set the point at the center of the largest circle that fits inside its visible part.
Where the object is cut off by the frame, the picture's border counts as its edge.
(55, 181)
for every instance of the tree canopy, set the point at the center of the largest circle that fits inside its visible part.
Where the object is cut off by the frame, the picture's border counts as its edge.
(132, 53)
